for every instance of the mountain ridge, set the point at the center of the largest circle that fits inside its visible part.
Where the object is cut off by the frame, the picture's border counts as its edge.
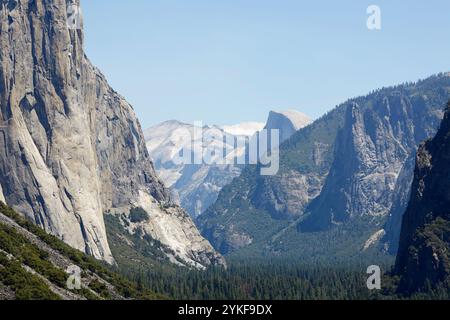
(197, 185)
(287, 121)
(252, 208)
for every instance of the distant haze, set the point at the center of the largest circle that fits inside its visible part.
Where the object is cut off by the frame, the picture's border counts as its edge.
(227, 62)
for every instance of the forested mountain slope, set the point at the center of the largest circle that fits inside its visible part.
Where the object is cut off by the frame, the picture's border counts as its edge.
(338, 180)
(423, 259)
(36, 265)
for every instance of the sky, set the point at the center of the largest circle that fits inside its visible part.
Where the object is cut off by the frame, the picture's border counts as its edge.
(230, 61)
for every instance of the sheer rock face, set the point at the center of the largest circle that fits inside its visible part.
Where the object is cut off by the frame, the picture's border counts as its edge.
(70, 147)
(371, 150)
(402, 194)
(424, 257)
(288, 122)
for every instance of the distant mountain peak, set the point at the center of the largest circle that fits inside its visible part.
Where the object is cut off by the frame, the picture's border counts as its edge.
(298, 119)
(287, 121)
(173, 122)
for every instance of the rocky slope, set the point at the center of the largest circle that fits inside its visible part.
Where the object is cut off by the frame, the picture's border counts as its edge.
(337, 182)
(35, 265)
(423, 258)
(71, 148)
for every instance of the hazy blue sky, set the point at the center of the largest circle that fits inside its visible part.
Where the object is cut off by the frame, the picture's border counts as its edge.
(227, 61)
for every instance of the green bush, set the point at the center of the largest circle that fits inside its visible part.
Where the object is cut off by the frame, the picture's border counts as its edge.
(25, 285)
(138, 215)
(100, 288)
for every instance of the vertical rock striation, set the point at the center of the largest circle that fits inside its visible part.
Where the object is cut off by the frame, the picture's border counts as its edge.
(71, 148)
(371, 149)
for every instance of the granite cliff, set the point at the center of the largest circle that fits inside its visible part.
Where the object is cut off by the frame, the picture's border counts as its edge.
(71, 148)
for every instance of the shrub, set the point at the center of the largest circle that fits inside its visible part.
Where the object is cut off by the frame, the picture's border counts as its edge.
(138, 215)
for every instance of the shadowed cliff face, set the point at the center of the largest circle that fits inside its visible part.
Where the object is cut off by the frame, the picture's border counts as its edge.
(71, 148)
(424, 251)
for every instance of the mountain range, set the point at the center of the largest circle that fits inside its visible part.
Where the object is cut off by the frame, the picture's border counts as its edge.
(196, 186)
(343, 180)
(82, 186)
